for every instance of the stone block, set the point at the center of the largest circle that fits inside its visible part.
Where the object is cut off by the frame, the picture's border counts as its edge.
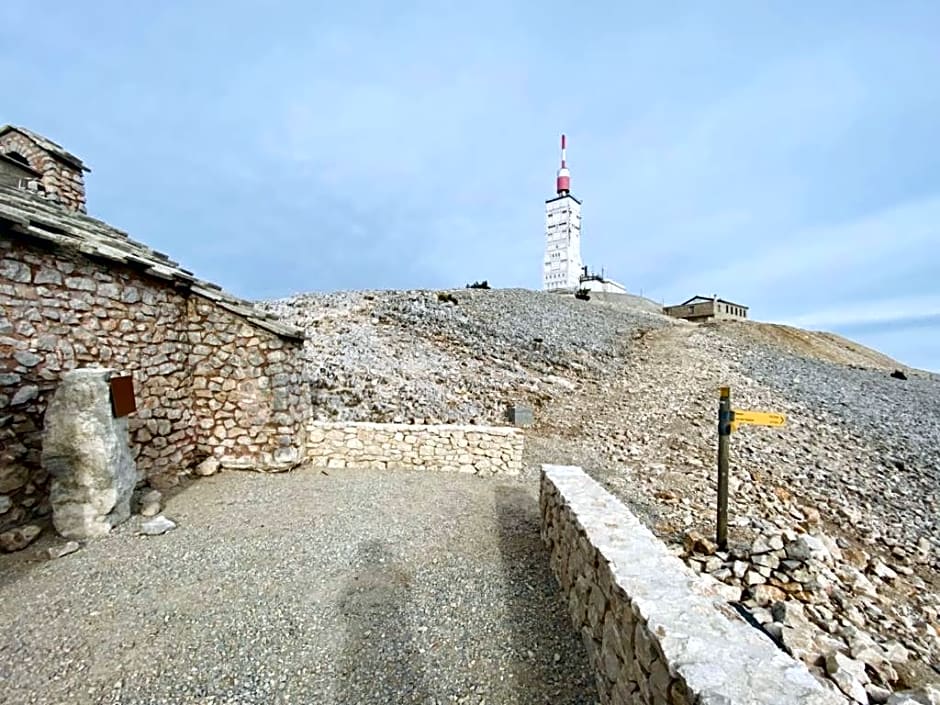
(85, 450)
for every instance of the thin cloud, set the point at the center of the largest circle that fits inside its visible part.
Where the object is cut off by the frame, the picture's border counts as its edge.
(870, 313)
(845, 251)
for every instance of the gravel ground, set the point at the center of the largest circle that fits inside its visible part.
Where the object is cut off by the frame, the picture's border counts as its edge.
(352, 587)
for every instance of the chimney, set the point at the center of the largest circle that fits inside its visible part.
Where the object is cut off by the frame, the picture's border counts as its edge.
(29, 158)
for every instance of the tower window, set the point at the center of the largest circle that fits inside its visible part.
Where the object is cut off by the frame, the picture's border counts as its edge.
(17, 157)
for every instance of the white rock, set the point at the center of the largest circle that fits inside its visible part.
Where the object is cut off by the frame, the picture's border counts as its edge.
(5, 504)
(157, 526)
(863, 586)
(883, 571)
(849, 675)
(761, 545)
(150, 503)
(754, 578)
(85, 450)
(209, 466)
(63, 549)
(896, 653)
(925, 695)
(836, 661)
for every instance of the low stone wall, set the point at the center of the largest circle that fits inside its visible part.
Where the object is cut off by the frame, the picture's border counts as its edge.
(481, 450)
(652, 632)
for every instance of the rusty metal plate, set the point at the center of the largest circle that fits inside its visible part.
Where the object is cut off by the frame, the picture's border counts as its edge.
(123, 401)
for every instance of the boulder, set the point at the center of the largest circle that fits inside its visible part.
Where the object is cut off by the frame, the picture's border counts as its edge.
(86, 453)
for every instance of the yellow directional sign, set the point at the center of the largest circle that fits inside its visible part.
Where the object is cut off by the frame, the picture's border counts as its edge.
(758, 418)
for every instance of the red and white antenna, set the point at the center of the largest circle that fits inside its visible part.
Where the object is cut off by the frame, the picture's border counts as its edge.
(563, 182)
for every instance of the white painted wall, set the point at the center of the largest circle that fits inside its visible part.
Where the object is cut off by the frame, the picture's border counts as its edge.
(607, 286)
(562, 264)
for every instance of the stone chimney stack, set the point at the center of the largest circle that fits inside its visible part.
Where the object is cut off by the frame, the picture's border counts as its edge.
(30, 161)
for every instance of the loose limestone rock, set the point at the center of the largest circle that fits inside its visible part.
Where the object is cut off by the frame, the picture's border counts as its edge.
(157, 526)
(63, 549)
(926, 695)
(849, 675)
(150, 503)
(209, 466)
(18, 539)
(86, 453)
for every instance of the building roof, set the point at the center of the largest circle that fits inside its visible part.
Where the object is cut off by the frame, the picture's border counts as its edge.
(48, 145)
(28, 216)
(561, 196)
(705, 299)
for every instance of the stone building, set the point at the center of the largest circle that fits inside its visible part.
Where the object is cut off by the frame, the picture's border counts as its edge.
(31, 161)
(213, 376)
(706, 308)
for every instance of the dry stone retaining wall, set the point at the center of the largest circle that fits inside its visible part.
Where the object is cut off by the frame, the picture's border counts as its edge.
(206, 382)
(481, 450)
(652, 633)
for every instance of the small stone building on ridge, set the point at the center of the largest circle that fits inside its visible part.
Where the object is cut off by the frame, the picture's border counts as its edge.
(707, 308)
(213, 375)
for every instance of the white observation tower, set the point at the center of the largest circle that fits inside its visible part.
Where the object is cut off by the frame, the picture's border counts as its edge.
(562, 265)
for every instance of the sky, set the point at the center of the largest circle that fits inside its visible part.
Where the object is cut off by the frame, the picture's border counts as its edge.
(785, 156)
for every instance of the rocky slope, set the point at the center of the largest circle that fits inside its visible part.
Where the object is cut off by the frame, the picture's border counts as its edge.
(835, 541)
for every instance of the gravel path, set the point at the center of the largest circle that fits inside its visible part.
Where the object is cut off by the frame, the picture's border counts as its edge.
(353, 587)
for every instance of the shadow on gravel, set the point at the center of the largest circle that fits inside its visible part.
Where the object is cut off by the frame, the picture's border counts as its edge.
(550, 665)
(380, 662)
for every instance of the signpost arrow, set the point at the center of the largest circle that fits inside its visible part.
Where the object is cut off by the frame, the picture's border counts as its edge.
(728, 421)
(757, 418)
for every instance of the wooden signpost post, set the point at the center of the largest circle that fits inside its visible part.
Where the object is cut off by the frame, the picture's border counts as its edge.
(728, 421)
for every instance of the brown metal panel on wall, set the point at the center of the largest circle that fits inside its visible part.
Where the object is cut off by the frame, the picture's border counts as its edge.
(123, 401)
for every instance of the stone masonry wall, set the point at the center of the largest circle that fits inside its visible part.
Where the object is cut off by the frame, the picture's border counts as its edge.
(652, 633)
(61, 182)
(206, 383)
(480, 450)
(248, 398)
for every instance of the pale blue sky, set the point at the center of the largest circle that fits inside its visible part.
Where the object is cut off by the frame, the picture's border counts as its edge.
(783, 155)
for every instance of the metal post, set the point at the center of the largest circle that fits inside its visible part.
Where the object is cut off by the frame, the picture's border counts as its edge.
(724, 441)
